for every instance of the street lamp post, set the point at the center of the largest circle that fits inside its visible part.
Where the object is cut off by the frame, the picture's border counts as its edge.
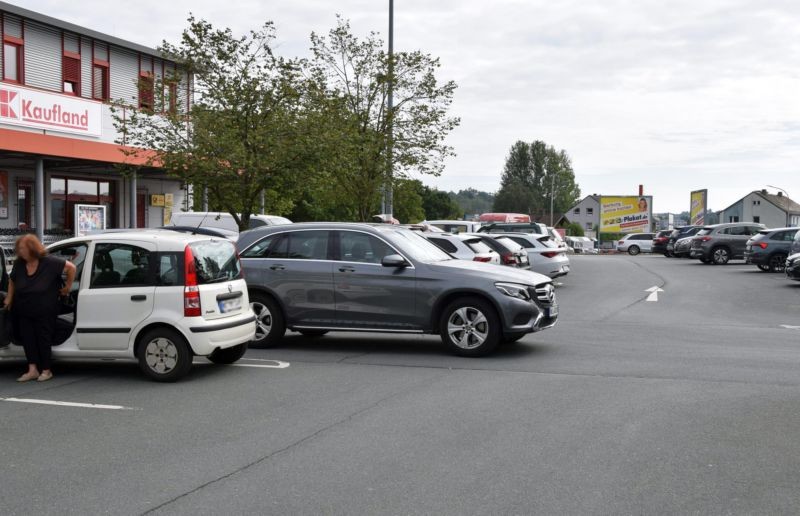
(388, 194)
(788, 214)
(552, 198)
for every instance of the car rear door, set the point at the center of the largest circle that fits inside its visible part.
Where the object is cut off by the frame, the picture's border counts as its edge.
(295, 266)
(118, 294)
(368, 295)
(218, 274)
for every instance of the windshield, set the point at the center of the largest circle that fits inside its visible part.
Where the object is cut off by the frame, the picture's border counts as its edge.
(215, 261)
(415, 246)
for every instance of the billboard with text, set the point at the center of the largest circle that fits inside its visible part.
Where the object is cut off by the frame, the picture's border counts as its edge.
(626, 214)
(698, 207)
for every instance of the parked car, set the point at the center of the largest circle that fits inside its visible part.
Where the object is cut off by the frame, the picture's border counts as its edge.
(796, 244)
(636, 243)
(210, 219)
(556, 237)
(158, 297)
(683, 247)
(320, 277)
(511, 253)
(514, 227)
(544, 255)
(720, 243)
(581, 245)
(769, 248)
(792, 267)
(679, 234)
(217, 232)
(463, 247)
(660, 240)
(454, 226)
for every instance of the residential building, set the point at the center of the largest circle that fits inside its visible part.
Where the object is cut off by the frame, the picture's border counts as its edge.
(586, 213)
(772, 210)
(58, 143)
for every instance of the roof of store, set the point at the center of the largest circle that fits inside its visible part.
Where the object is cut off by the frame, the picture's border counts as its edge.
(71, 27)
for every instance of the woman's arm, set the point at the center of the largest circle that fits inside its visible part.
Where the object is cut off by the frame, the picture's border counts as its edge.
(9, 295)
(69, 270)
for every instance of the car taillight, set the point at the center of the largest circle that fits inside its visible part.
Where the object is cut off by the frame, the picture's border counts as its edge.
(484, 259)
(705, 238)
(508, 258)
(191, 292)
(621, 242)
(549, 254)
(762, 245)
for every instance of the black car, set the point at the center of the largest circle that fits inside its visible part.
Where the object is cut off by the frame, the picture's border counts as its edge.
(660, 241)
(769, 248)
(677, 234)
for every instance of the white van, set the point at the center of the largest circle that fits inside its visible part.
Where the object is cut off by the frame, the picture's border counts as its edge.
(222, 220)
(159, 297)
(454, 226)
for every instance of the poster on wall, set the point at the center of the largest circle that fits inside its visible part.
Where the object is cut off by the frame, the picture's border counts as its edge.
(89, 218)
(626, 214)
(3, 194)
(698, 207)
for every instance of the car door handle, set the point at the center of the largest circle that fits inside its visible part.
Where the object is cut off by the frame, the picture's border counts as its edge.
(139, 297)
(347, 269)
(277, 267)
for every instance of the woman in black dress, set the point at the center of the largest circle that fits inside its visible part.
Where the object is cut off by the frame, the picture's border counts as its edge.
(33, 290)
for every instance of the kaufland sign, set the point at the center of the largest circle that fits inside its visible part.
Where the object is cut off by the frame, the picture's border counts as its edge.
(47, 111)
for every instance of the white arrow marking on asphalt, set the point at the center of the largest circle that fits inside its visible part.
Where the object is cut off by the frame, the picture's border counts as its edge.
(66, 404)
(653, 293)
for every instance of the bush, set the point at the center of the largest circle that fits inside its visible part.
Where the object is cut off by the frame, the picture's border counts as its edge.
(574, 229)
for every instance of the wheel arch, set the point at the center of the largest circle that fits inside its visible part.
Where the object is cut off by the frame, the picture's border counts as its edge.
(140, 332)
(449, 297)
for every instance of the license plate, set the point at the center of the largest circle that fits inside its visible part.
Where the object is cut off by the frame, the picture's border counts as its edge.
(552, 311)
(565, 268)
(230, 305)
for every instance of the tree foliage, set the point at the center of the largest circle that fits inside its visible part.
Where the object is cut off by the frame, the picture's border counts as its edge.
(531, 171)
(472, 201)
(351, 77)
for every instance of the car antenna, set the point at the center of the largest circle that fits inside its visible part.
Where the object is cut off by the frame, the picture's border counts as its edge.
(200, 224)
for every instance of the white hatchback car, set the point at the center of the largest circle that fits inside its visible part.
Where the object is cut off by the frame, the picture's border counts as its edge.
(155, 296)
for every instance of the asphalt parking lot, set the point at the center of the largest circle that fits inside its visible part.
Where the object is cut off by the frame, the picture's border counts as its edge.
(688, 404)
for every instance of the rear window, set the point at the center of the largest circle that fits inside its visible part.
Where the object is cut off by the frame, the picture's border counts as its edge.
(705, 231)
(510, 244)
(444, 244)
(478, 247)
(215, 261)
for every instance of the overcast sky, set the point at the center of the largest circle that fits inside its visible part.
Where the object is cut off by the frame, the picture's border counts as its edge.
(677, 95)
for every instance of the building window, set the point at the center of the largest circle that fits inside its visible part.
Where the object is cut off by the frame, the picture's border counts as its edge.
(576, 211)
(12, 61)
(146, 87)
(590, 211)
(172, 97)
(100, 81)
(66, 193)
(589, 226)
(71, 72)
(757, 220)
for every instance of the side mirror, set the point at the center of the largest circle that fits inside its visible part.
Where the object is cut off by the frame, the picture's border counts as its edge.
(394, 260)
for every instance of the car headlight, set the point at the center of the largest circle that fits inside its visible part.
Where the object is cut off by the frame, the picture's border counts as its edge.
(514, 290)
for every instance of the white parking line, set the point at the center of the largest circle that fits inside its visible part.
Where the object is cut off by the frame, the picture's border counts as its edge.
(268, 364)
(67, 404)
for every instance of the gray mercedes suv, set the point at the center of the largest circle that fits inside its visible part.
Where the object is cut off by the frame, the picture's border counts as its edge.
(319, 277)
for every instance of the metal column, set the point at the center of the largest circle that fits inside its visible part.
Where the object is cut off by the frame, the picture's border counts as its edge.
(38, 196)
(132, 193)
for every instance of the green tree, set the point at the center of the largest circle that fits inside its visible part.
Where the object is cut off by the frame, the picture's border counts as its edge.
(574, 229)
(351, 76)
(472, 201)
(532, 171)
(247, 138)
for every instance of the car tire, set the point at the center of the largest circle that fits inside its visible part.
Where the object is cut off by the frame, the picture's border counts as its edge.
(312, 334)
(706, 261)
(228, 355)
(777, 262)
(470, 327)
(270, 324)
(764, 268)
(720, 255)
(634, 250)
(164, 355)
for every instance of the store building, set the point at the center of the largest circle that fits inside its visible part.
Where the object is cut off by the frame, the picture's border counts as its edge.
(58, 142)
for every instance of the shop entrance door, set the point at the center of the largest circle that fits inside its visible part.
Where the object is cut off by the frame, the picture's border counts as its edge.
(141, 206)
(25, 204)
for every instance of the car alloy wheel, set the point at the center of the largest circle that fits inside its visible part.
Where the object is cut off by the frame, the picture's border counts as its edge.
(777, 263)
(721, 256)
(467, 327)
(634, 250)
(161, 355)
(263, 320)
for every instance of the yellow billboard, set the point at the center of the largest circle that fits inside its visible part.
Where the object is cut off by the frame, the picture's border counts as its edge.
(626, 214)
(698, 207)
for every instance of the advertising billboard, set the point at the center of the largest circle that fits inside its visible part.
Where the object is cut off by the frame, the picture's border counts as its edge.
(626, 214)
(698, 207)
(89, 218)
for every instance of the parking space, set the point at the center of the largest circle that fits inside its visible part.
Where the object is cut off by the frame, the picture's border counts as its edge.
(627, 406)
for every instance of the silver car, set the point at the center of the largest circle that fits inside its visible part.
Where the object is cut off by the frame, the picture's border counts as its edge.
(321, 277)
(544, 255)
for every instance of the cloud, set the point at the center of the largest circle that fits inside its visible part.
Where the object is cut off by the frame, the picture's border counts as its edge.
(676, 95)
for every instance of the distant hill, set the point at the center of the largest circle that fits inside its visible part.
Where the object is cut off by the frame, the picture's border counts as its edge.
(473, 201)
